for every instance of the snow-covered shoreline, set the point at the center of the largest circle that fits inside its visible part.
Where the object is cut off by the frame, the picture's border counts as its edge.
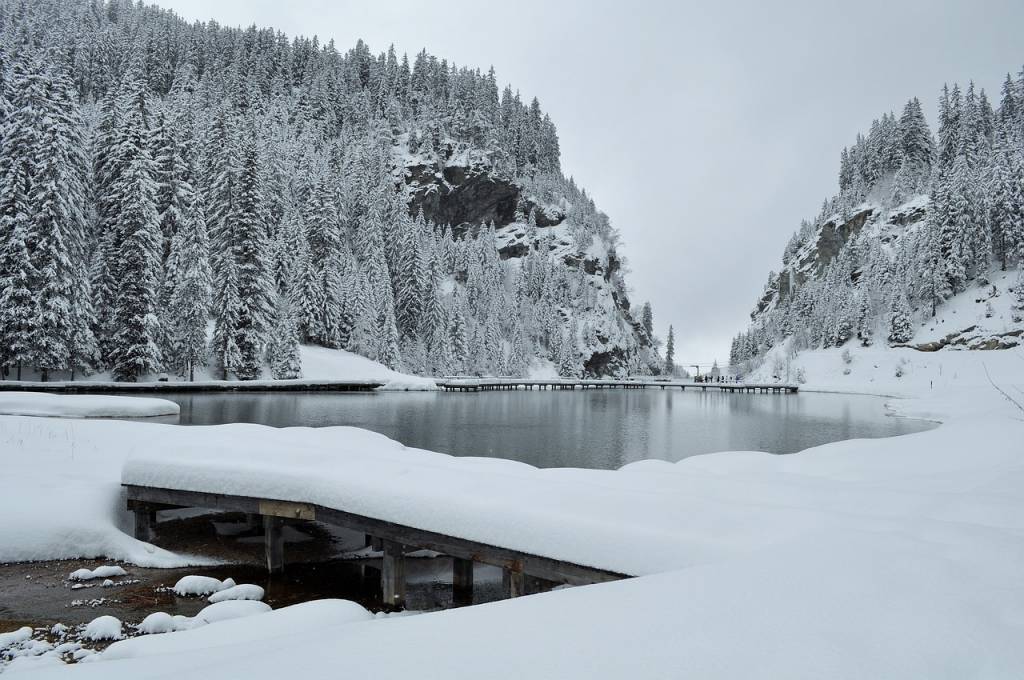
(321, 366)
(893, 557)
(47, 405)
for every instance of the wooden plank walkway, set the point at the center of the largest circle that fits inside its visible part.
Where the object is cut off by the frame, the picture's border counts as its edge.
(519, 568)
(489, 384)
(87, 387)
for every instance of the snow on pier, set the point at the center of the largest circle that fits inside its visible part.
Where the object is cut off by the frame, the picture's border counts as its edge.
(491, 384)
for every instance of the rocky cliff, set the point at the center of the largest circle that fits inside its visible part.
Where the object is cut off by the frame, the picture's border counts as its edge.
(465, 194)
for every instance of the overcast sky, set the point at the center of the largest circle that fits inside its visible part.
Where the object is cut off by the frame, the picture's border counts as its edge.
(705, 130)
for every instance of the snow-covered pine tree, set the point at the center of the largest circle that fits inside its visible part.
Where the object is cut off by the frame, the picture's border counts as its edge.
(1003, 213)
(190, 300)
(134, 349)
(283, 351)
(916, 152)
(20, 140)
(647, 319)
(226, 309)
(255, 279)
(108, 164)
(670, 353)
(901, 324)
(58, 201)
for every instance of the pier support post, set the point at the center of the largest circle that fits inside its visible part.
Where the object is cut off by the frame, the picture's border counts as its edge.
(273, 542)
(462, 581)
(392, 576)
(145, 523)
(513, 582)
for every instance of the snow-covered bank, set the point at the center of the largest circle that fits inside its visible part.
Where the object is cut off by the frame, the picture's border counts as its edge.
(83, 406)
(887, 558)
(60, 492)
(337, 364)
(891, 558)
(943, 385)
(319, 364)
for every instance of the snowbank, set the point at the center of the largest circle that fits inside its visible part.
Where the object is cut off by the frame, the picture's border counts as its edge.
(886, 558)
(943, 385)
(337, 364)
(290, 623)
(60, 491)
(83, 406)
(901, 561)
(319, 364)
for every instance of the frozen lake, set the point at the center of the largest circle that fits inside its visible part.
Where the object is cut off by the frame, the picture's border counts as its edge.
(590, 428)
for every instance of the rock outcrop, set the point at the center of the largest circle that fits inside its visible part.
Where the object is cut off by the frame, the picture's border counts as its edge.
(464, 196)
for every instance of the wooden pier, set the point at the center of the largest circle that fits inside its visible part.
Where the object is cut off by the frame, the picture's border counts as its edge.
(491, 384)
(522, 572)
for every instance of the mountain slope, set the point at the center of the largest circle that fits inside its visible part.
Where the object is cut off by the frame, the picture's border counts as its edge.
(921, 247)
(405, 209)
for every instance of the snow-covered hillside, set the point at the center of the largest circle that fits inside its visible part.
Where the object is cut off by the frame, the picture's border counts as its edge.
(923, 246)
(292, 194)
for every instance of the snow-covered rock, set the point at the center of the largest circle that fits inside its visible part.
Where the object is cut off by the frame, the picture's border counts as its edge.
(106, 572)
(244, 591)
(157, 622)
(199, 585)
(15, 637)
(103, 628)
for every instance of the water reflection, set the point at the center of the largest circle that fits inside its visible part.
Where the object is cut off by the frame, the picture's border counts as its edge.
(591, 428)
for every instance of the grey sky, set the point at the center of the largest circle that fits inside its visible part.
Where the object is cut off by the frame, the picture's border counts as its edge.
(706, 130)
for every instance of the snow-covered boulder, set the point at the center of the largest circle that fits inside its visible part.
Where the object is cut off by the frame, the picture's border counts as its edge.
(157, 622)
(105, 572)
(244, 591)
(200, 585)
(104, 628)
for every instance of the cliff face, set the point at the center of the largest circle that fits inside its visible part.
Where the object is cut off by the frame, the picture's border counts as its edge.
(812, 260)
(462, 196)
(465, 194)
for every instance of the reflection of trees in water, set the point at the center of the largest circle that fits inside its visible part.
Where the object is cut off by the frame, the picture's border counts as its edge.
(590, 428)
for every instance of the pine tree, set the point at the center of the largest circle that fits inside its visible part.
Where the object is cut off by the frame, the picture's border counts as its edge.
(1003, 213)
(226, 310)
(283, 352)
(17, 153)
(134, 349)
(670, 353)
(58, 204)
(916, 151)
(255, 282)
(647, 319)
(190, 300)
(901, 325)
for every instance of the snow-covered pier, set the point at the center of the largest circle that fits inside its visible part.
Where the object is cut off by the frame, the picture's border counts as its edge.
(393, 539)
(490, 384)
(541, 527)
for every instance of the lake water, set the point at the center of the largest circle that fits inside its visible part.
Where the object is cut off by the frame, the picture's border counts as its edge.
(581, 428)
